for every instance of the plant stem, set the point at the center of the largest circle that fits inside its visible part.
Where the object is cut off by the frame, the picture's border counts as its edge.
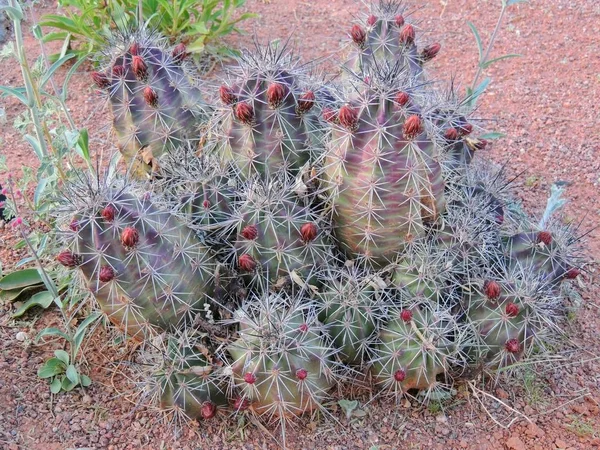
(489, 47)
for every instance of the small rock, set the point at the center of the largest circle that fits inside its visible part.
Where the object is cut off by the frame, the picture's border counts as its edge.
(515, 443)
(86, 399)
(560, 444)
(21, 336)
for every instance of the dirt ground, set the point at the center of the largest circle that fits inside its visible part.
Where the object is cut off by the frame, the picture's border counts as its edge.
(547, 104)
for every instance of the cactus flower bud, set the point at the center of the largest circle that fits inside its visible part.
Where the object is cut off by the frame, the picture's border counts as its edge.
(407, 35)
(491, 289)
(118, 71)
(301, 374)
(150, 96)
(244, 113)
(130, 237)
(306, 102)
(544, 237)
(247, 263)
(179, 53)
(329, 115)
(512, 346)
(276, 93)
(250, 232)
(451, 134)
(249, 378)
(480, 144)
(68, 259)
(372, 20)
(303, 328)
(140, 69)
(399, 375)
(309, 232)
(412, 127)
(100, 79)
(572, 273)
(465, 129)
(108, 213)
(402, 98)
(227, 95)
(208, 410)
(430, 52)
(106, 274)
(206, 204)
(348, 117)
(399, 19)
(358, 35)
(241, 404)
(406, 315)
(134, 49)
(512, 310)
(74, 225)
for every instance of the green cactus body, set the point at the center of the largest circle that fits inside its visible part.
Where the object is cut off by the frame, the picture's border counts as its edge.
(269, 122)
(143, 266)
(282, 362)
(154, 105)
(387, 185)
(414, 347)
(276, 236)
(351, 308)
(539, 253)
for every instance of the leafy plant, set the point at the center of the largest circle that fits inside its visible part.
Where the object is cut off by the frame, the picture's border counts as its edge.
(63, 375)
(90, 23)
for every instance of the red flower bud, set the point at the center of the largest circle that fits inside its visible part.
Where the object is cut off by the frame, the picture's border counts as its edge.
(402, 98)
(451, 134)
(572, 273)
(206, 204)
(247, 263)
(407, 35)
(140, 69)
(491, 289)
(306, 102)
(330, 115)
(106, 274)
(100, 79)
(108, 213)
(430, 52)
(74, 225)
(244, 113)
(412, 127)
(276, 92)
(399, 19)
(372, 20)
(348, 117)
(241, 404)
(179, 53)
(118, 71)
(68, 259)
(227, 95)
(150, 96)
(134, 49)
(512, 346)
(465, 129)
(512, 310)
(303, 328)
(480, 144)
(406, 315)
(309, 232)
(399, 375)
(249, 378)
(358, 35)
(250, 232)
(208, 410)
(130, 237)
(545, 237)
(301, 374)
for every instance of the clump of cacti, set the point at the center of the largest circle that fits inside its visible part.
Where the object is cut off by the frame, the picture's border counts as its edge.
(312, 232)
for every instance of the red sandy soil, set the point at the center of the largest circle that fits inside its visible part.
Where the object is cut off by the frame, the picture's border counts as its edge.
(547, 104)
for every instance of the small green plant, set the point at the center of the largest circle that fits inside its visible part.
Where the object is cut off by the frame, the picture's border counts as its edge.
(89, 23)
(582, 427)
(63, 375)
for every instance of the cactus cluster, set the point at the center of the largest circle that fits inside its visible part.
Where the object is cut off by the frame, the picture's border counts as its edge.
(297, 234)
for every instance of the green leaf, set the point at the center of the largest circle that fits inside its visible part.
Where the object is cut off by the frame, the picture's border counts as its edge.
(51, 332)
(42, 299)
(492, 135)
(487, 64)
(81, 330)
(70, 73)
(20, 279)
(68, 385)
(13, 13)
(35, 144)
(17, 294)
(348, 406)
(72, 374)
(477, 39)
(85, 380)
(51, 368)
(53, 68)
(63, 356)
(15, 92)
(36, 30)
(56, 385)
